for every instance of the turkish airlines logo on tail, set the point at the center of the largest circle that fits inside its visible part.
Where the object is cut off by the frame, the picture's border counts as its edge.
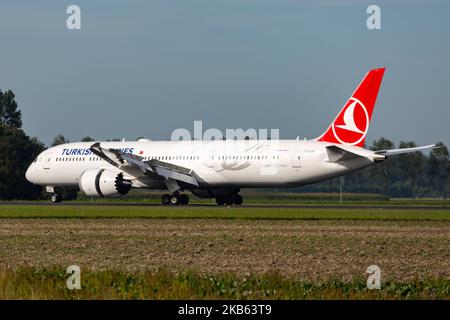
(352, 123)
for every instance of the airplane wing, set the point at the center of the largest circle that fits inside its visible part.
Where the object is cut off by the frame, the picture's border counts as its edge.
(120, 159)
(174, 172)
(170, 172)
(392, 152)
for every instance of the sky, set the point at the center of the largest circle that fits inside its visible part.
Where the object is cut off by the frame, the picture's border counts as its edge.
(146, 68)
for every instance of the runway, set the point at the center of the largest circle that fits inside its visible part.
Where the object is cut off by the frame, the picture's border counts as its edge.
(262, 206)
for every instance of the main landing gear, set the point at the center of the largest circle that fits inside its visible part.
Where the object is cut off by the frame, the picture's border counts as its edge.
(229, 200)
(175, 199)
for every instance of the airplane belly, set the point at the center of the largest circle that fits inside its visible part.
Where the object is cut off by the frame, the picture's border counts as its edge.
(251, 176)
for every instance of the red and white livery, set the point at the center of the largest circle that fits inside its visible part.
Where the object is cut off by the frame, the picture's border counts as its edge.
(216, 169)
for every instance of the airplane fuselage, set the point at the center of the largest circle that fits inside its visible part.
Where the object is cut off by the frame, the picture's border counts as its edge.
(218, 168)
(218, 164)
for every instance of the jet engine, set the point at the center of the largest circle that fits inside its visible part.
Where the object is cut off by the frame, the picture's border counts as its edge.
(104, 183)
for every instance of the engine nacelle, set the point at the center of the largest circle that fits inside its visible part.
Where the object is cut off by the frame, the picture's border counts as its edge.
(103, 183)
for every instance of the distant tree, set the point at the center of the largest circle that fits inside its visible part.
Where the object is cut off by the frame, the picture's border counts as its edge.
(408, 175)
(114, 139)
(381, 170)
(411, 166)
(59, 139)
(87, 139)
(17, 153)
(9, 113)
(438, 169)
(382, 144)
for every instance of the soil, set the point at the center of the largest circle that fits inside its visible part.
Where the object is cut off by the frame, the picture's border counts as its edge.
(306, 249)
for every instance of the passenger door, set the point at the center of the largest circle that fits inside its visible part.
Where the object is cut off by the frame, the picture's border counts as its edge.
(296, 157)
(47, 160)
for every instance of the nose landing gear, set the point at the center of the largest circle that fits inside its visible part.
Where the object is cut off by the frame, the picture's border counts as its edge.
(56, 198)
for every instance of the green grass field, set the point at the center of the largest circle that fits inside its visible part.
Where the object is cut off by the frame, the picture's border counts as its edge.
(162, 212)
(36, 239)
(27, 283)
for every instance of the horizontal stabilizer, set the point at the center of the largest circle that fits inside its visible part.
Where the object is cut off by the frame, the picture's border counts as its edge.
(392, 152)
(337, 154)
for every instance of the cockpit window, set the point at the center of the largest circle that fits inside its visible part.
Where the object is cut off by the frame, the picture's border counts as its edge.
(35, 159)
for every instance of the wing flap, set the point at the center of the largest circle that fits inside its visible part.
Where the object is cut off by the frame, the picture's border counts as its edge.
(170, 166)
(166, 173)
(137, 161)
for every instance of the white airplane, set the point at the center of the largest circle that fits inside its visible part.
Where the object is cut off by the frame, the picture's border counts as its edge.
(215, 169)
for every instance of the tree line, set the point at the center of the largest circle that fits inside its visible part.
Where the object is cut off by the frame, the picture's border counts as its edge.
(410, 175)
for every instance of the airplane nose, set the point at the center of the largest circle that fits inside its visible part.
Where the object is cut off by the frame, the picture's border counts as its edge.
(29, 174)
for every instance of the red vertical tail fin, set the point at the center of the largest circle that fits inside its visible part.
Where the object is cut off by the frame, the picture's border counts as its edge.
(352, 123)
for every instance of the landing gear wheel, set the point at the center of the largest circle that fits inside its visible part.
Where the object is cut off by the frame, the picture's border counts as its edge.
(184, 199)
(56, 198)
(175, 199)
(165, 199)
(229, 200)
(238, 200)
(220, 201)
